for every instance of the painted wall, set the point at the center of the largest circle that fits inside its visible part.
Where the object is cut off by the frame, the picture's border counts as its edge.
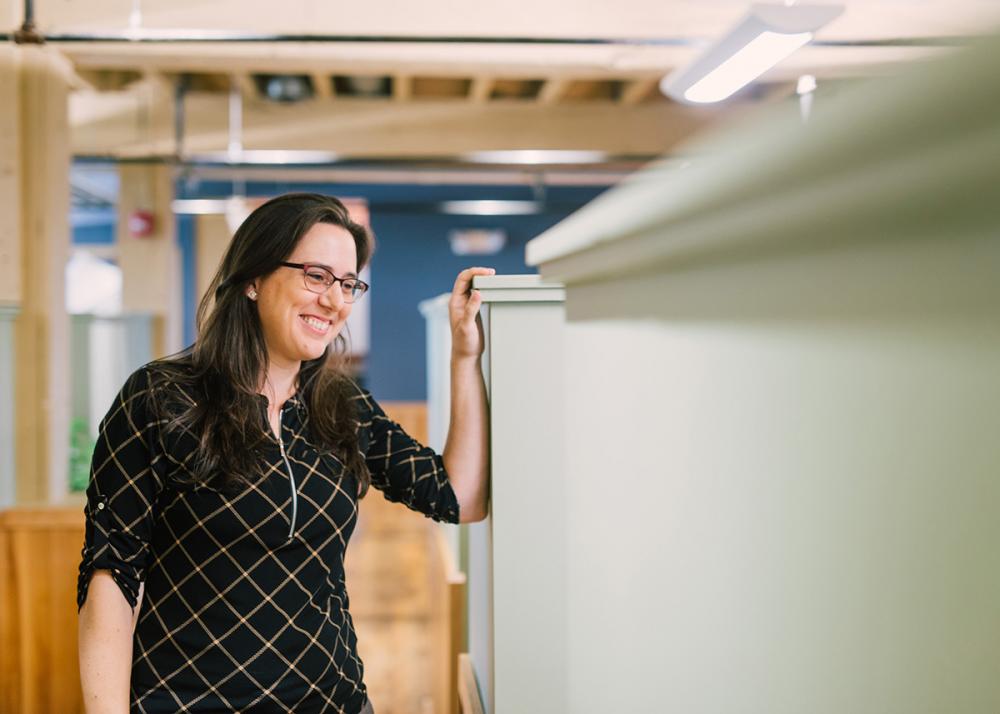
(412, 261)
(99, 230)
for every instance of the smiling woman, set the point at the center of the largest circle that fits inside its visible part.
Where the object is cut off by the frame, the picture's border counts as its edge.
(226, 480)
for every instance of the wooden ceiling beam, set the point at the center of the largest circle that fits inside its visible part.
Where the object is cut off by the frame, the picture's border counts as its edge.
(402, 87)
(593, 62)
(246, 83)
(553, 90)
(638, 90)
(322, 85)
(374, 127)
(481, 89)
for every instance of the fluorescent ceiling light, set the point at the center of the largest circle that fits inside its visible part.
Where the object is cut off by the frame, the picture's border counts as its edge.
(198, 206)
(235, 208)
(764, 37)
(273, 157)
(491, 208)
(536, 156)
(764, 51)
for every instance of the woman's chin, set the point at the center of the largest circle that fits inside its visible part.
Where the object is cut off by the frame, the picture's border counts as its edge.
(313, 349)
(314, 352)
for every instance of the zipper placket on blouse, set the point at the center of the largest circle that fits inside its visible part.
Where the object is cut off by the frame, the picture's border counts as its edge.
(291, 476)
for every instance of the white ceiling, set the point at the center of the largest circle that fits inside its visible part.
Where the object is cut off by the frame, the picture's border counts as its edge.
(891, 32)
(862, 20)
(899, 29)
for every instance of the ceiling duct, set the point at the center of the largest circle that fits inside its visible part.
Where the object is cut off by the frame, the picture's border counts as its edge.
(285, 88)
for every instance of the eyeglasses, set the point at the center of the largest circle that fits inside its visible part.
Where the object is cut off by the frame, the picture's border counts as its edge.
(318, 279)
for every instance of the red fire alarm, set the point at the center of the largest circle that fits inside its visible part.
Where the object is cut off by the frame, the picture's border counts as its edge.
(141, 224)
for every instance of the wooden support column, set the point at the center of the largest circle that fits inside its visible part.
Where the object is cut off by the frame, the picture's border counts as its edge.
(212, 236)
(10, 262)
(151, 267)
(35, 247)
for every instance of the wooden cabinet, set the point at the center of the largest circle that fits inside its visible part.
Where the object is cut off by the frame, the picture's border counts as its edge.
(39, 557)
(515, 558)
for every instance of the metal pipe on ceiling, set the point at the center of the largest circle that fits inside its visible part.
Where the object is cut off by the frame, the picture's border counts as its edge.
(28, 32)
(401, 171)
(201, 36)
(528, 163)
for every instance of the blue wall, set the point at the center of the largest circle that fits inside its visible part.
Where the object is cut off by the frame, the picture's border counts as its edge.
(412, 261)
(97, 230)
(189, 256)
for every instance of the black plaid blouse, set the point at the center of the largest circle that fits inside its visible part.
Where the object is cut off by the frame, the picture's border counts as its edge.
(245, 607)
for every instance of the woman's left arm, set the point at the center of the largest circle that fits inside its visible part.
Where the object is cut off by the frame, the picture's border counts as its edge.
(467, 449)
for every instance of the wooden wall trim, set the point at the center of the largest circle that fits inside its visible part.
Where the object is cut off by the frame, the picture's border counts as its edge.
(9, 634)
(468, 689)
(43, 518)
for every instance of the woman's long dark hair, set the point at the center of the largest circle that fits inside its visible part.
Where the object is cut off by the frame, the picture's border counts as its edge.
(219, 376)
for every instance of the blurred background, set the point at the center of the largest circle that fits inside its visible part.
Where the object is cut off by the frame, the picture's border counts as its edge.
(136, 134)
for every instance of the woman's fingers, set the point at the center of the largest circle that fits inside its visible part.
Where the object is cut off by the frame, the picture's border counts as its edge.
(472, 306)
(464, 301)
(463, 283)
(466, 328)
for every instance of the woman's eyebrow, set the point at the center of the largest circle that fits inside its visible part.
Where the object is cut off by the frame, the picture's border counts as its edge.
(348, 274)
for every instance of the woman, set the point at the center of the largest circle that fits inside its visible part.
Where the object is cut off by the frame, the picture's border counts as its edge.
(225, 484)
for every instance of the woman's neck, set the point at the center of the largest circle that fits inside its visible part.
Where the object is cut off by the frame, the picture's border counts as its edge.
(279, 382)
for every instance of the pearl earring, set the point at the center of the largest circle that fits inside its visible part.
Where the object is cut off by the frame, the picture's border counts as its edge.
(252, 294)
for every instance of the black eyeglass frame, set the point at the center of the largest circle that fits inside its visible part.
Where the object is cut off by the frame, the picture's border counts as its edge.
(305, 267)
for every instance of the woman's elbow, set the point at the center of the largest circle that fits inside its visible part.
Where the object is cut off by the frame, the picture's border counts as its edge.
(472, 513)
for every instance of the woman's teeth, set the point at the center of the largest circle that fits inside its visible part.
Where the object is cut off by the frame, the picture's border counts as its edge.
(318, 325)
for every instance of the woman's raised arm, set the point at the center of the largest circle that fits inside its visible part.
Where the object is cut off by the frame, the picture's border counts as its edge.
(466, 451)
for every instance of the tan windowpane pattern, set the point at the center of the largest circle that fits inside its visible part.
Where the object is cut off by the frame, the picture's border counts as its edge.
(237, 615)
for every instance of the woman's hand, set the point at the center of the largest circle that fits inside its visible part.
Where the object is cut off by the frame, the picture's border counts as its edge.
(463, 311)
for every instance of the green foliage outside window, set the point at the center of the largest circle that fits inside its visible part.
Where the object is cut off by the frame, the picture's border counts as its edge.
(81, 450)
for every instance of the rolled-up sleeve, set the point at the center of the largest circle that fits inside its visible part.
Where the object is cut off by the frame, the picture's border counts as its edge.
(402, 468)
(124, 484)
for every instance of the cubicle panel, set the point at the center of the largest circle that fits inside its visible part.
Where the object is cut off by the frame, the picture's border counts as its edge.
(529, 533)
(515, 558)
(478, 562)
(481, 643)
(435, 312)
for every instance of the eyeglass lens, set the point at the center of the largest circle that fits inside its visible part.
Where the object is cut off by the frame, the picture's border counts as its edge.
(319, 280)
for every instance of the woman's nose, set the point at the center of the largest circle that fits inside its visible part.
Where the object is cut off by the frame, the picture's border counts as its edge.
(333, 297)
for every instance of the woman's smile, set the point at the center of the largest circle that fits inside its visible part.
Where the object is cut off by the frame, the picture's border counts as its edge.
(317, 325)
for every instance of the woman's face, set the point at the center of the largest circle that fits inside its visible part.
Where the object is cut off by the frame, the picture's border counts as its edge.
(299, 324)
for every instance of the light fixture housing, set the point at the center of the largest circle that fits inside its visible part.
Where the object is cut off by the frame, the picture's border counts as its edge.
(766, 35)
